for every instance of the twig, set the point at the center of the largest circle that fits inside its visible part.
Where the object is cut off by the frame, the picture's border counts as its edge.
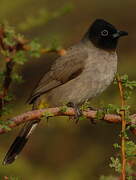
(8, 79)
(8, 69)
(91, 114)
(7, 82)
(122, 112)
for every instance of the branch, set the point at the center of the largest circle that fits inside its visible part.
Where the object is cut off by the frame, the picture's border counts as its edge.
(123, 138)
(58, 111)
(8, 69)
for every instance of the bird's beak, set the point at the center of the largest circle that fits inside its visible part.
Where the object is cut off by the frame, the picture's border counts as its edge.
(119, 34)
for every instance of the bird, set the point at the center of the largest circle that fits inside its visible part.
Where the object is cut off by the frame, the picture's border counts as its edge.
(85, 71)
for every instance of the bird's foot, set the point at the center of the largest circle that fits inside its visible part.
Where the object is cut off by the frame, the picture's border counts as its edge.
(78, 112)
(48, 118)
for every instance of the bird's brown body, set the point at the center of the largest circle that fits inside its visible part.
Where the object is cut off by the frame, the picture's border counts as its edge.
(82, 73)
(85, 71)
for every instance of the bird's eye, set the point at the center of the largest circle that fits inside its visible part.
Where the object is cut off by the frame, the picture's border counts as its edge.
(104, 32)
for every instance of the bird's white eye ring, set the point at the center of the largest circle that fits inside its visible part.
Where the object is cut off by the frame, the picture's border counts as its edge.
(104, 32)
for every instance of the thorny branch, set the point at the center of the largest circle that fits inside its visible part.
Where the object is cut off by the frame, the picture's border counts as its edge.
(20, 44)
(123, 138)
(8, 70)
(91, 114)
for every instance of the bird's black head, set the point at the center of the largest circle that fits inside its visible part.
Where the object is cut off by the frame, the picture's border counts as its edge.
(104, 35)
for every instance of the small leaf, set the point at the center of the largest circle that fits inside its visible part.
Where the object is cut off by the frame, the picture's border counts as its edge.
(35, 48)
(17, 78)
(63, 109)
(20, 57)
(48, 114)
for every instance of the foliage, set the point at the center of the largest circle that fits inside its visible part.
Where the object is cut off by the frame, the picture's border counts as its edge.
(43, 17)
(130, 146)
(13, 53)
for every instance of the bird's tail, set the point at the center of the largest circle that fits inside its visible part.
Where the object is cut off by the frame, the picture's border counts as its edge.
(20, 142)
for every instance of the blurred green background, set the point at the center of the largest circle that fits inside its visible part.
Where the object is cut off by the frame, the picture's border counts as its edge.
(61, 150)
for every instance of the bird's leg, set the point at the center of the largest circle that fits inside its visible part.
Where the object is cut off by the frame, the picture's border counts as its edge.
(47, 119)
(78, 112)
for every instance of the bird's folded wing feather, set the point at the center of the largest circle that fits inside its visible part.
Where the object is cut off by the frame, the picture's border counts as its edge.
(65, 68)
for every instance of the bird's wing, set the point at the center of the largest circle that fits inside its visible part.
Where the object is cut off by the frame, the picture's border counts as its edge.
(65, 68)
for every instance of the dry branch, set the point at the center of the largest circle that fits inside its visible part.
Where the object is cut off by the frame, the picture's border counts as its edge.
(91, 114)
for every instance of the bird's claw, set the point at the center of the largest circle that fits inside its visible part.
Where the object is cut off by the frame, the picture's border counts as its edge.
(78, 112)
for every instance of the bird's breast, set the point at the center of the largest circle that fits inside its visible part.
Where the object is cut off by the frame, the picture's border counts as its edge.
(99, 71)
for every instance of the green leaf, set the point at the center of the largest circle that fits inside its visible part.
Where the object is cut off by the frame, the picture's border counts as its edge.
(85, 106)
(100, 114)
(130, 178)
(9, 33)
(17, 78)
(115, 163)
(112, 109)
(20, 57)
(48, 114)
(35, 48)
(5, 53)
(116, 146)
(130, 149)
(82, 118)
(54, 44)
(63, 109)
(8, 97)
